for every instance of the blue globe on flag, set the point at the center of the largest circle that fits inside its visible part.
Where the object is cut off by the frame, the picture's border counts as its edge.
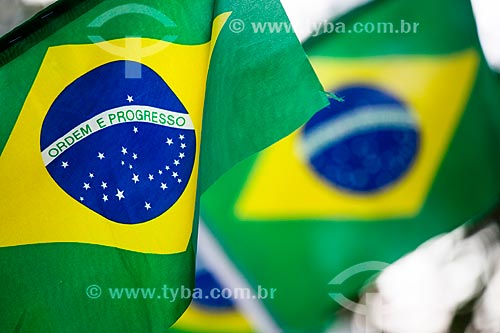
(123, 147)
(364, 144)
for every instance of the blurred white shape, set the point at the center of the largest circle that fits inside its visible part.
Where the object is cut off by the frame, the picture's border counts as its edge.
(422, 292)
(11, 13)
(487, 13)
(487, 312)
(305, 15)
(41, 3)
(14, 12)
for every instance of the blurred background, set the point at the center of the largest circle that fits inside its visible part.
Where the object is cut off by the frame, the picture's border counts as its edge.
(380, 214)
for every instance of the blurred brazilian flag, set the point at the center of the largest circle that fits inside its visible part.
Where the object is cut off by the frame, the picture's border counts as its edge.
(211, 315)
(215, 309)
(410, 153)
(103, 103)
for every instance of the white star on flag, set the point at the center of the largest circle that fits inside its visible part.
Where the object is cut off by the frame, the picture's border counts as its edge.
(136, 130)
(163, 186)
(176, 162)
(104, 198)
(134, 156)
(135, 178)
(101, 156)
(151, 177)
(169, 142)
(181, 137)
(175, 174)
(65, 165)
(119, 195)
(91, 175)
(147, 206)
(86, 186)
(124, 150)
(130, 99)
(104, 185)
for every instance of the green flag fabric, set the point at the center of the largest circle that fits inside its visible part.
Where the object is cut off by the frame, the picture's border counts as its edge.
(103, 103)
(411, 152)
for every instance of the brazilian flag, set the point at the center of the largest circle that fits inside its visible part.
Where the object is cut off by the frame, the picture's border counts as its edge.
(103, 158)
(216, 306)
(211, 314)
(411, 152)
